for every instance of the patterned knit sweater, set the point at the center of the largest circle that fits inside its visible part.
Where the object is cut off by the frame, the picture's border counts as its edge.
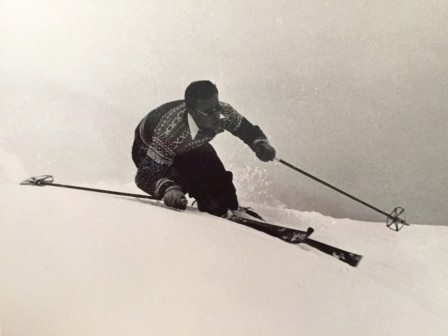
(164, 133)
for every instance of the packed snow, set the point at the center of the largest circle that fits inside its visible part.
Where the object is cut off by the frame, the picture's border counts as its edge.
(82, 263)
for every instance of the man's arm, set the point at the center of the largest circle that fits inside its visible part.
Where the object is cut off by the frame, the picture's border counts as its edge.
(251, 134)
(153, 174)
(154, 178)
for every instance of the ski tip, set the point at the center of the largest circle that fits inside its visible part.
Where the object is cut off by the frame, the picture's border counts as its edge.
(309, 231)
(354, 260)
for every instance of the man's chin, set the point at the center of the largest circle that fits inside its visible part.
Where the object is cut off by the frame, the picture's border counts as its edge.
(211, 128)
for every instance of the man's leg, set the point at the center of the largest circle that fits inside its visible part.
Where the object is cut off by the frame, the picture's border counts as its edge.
(139, 149)
(203, 176)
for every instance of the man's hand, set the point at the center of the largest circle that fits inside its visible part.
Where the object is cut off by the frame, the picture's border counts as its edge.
(175, 198)
(265, 152)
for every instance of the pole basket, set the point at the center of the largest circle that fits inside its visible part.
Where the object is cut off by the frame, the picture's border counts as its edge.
(39, 180)
(394, 222)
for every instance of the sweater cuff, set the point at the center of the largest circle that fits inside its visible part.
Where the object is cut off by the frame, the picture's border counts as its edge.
(163, 185)
(257, 141)
(174, 186)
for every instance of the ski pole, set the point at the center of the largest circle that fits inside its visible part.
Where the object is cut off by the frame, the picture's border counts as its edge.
(47, 180)
(393, 219)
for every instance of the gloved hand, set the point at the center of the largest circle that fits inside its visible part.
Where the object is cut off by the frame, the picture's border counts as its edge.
(264, 151)
(175, 198)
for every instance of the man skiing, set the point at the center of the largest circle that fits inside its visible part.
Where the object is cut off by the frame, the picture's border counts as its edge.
(173, 156)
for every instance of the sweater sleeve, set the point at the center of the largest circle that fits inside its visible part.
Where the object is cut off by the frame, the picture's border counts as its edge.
(242, 128)
(154, 177)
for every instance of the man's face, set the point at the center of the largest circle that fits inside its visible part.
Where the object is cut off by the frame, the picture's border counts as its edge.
(206, 113)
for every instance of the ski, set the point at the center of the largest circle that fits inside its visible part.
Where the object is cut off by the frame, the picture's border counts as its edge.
(350, 258)
(296, 237)
(289, 235)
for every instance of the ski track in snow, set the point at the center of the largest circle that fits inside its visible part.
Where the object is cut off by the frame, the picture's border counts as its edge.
(79, 263)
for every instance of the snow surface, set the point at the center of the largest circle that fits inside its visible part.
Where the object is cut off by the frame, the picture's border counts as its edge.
(80, 263)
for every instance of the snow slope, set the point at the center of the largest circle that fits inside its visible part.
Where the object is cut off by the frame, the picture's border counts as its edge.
(76, 263)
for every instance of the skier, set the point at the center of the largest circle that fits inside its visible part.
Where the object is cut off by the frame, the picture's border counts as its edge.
(173, 156)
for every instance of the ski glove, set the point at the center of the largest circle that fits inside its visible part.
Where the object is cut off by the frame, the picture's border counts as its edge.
(265, 152)
(175, 198)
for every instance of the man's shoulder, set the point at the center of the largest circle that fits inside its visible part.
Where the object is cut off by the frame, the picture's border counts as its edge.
(152, 121)
(232, 118)
(225, 106)
(169, 119)
(227, 109)
(153, 117)
(168, 106)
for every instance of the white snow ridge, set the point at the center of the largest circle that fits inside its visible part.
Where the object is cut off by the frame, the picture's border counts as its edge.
(74, 263)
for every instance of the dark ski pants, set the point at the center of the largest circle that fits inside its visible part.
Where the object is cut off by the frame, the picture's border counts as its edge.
(202, 175)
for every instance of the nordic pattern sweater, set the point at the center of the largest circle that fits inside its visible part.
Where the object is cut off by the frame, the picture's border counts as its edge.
(164, 133)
